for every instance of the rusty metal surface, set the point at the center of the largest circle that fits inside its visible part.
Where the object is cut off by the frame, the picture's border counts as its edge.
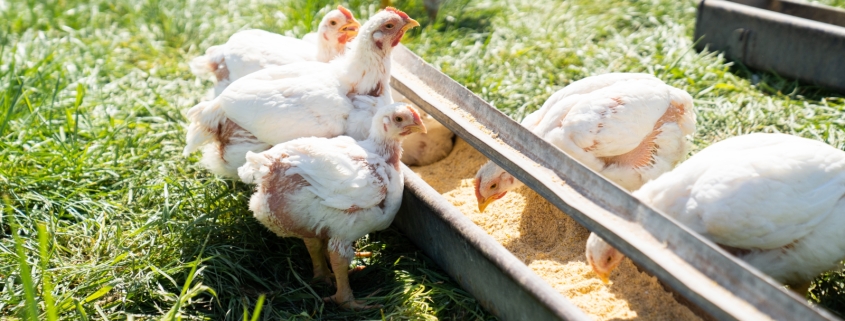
(496, 278)
(792, 39)
(722, 286)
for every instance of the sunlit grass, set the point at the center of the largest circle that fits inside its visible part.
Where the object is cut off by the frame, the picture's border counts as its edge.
(92, 96)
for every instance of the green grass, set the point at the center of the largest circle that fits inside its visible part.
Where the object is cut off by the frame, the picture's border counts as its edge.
(92, 96)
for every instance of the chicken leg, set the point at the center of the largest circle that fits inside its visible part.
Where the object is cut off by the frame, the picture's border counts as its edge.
(344, 296)
(316, 247)
(358, 255)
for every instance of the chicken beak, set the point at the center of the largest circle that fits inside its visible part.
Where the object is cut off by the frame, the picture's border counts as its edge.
(351, 29)
(482, 204)
(416, 128)
(410, 23)
(605, 277)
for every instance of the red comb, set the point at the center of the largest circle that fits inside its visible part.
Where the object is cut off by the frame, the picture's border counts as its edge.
(345, 12)
(417, 118)
(397, 11)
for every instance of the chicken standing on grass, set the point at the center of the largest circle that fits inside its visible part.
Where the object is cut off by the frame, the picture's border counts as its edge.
(249, 51)
(303, 99)
(331, 192)
(773, 200)
(628, 127)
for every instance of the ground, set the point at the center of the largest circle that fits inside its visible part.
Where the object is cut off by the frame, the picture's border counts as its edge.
(92, 103)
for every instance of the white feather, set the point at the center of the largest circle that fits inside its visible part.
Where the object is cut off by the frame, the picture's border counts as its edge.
(781, 196)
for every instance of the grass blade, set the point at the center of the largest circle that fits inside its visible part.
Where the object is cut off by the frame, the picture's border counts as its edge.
(258, 305)
(31, 308)
(46, 282)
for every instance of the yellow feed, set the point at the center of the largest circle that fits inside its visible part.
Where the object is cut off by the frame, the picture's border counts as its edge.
(551, 244)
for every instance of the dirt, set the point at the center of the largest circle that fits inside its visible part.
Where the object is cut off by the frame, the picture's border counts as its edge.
(551, 244)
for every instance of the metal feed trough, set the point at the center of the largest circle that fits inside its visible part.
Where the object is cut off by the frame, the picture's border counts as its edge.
(713, 282)
(797, 40)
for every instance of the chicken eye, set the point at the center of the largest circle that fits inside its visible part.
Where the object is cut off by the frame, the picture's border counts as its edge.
(608, 259)
(494, 186)
(333, 22)
(389, 26)
(398, 119)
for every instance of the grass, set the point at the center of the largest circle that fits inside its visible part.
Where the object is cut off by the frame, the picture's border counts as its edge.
(102, 215)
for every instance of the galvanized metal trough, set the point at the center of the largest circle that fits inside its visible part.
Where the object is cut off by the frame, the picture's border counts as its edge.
(796, 40)
(714, 283)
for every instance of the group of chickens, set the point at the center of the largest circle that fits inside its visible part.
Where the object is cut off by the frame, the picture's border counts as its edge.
(774, 200)
(313, 124)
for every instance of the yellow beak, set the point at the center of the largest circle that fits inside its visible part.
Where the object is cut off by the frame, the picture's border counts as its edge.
(605, 278)
(483, 204)
(416, 128)
(351, 28)
(410, 24)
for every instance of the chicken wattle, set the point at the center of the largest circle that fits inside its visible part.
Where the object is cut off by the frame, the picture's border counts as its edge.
(332, 191)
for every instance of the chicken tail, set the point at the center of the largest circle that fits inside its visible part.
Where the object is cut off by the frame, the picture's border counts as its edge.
(207, 65)
(257, 167)
(205, 119)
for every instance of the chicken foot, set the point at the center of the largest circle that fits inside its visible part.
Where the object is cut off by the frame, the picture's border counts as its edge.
(316, 247)
(344, 296)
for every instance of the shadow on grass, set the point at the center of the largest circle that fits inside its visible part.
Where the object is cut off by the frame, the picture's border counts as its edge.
(771, 83)
(828, 290)
(243, 260)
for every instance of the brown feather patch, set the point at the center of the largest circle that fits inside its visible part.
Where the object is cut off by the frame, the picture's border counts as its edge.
(277, 188)
(220, 70)
(375, 92)
(224, 133)
(643, 154)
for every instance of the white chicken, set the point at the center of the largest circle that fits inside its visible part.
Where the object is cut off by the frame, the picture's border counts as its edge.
(249, 51)
(423, 149)
(773, 200)
(303, 99)
(630, 128)
(332, 191)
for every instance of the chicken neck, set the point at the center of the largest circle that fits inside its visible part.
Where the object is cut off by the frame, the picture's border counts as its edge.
(389, 149)
(364, 69)
(326, 49)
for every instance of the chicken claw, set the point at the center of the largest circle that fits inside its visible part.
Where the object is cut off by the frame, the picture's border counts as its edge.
(344, 297)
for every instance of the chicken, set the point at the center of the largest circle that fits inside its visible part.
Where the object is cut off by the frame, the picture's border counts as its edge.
(630, 128)
(773, 200)
(332, 191)
(302, 99)
(249, 51)
(424, 149)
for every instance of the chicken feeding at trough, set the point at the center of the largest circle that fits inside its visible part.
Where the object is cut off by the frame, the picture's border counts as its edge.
(628, 127)
(773, 200)
(249, 51)
(332, 191)
(303, 99)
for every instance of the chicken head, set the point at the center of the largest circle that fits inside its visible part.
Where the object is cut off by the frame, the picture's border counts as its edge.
(339, 25)
(387, 28)
(396, 121)
(492, 183)
(602, 257)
